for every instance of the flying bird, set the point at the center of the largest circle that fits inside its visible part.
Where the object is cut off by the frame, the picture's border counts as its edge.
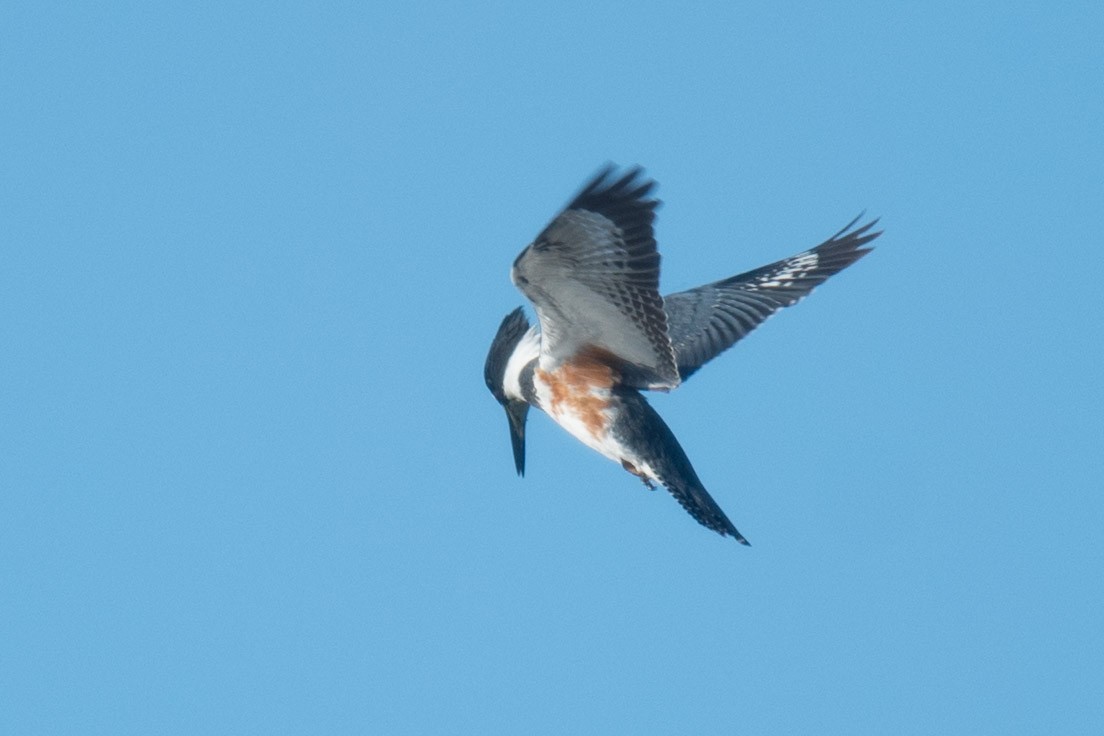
(605, 333)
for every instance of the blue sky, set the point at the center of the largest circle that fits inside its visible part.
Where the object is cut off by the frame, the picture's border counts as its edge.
(252, 481)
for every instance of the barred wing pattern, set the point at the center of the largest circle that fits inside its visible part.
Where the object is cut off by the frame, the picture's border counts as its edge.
(705, 321)
(593, 278)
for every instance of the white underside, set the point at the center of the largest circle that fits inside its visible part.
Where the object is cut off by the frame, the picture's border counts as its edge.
(605, 443)
(529, 348)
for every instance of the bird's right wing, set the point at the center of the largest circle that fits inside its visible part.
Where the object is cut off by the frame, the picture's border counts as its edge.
(706, 321)
(593, 278)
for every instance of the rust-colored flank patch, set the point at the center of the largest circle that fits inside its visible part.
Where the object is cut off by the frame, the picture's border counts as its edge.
(572, 386)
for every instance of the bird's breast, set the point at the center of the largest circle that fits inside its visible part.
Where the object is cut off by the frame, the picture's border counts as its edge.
(578, 395)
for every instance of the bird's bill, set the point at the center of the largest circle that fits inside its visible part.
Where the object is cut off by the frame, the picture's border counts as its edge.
(516, 412)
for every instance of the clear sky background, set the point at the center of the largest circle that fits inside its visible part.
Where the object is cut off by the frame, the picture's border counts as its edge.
(251, 480)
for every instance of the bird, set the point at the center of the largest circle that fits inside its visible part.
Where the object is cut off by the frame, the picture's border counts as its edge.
(604, 333)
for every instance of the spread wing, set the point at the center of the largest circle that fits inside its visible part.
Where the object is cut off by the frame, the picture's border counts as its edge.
(706, 321)
(593, 278)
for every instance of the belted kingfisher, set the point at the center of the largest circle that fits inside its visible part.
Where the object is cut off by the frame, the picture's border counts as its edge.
(605, 333)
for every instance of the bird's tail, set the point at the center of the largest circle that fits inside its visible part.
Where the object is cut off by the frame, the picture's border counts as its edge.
(641, 427)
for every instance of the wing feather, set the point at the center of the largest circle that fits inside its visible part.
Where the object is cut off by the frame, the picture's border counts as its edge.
(705, 321)
(593, 277)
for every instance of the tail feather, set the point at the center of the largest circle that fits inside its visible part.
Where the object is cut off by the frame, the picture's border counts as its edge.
(640, 426)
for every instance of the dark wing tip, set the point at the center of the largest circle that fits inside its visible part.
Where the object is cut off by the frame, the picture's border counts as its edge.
(853, 240)
(833, 255)
(846, 247)
(612, 189)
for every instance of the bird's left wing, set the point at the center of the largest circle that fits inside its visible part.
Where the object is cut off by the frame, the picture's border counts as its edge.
(593, 278)
(706, 321)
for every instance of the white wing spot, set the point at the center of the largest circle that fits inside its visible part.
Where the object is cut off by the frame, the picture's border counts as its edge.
(795, 268)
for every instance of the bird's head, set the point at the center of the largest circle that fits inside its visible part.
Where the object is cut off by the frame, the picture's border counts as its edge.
(508, 356)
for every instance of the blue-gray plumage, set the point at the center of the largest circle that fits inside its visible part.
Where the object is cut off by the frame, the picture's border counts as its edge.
(593, 277)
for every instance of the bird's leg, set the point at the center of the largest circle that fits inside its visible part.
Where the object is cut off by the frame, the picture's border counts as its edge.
(632, 469)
